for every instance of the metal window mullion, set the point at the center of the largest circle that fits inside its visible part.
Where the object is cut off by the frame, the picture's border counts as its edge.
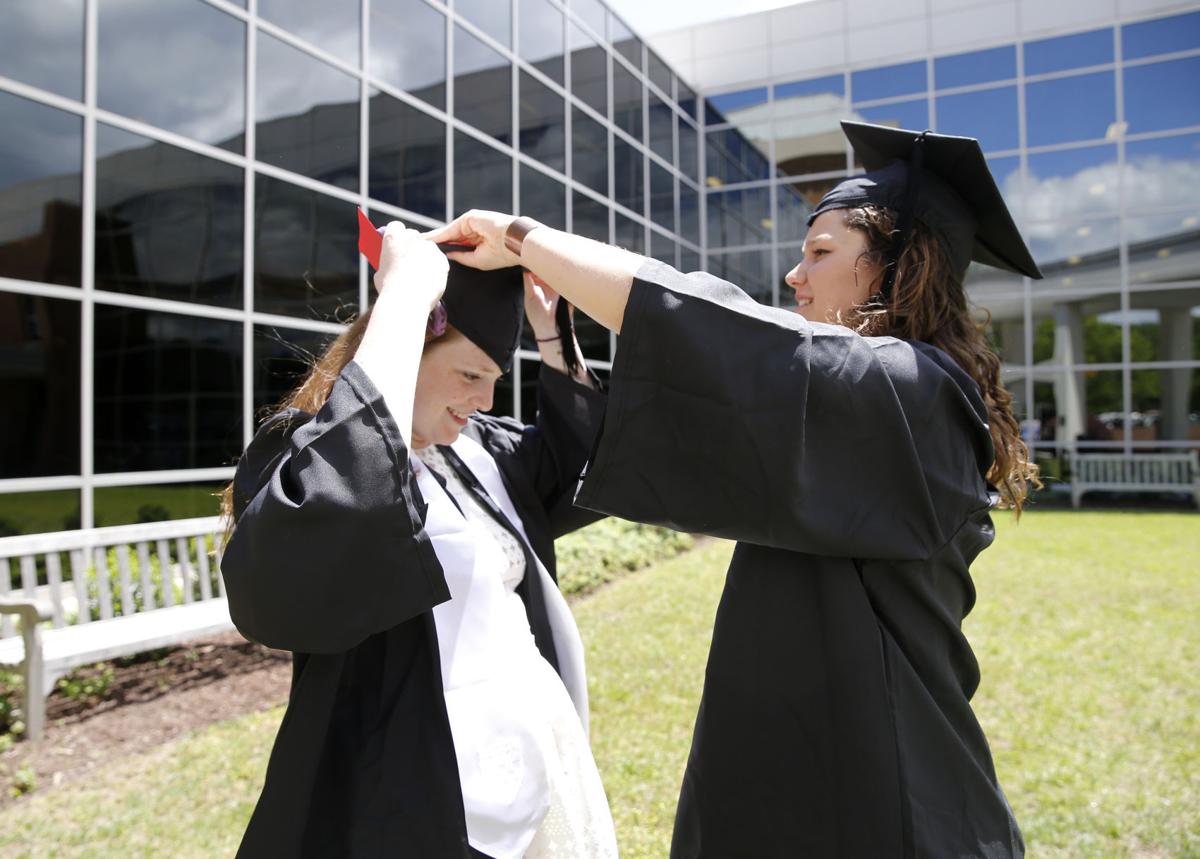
(40, 484)
(42, 96)
(450, 124)
(149, 478)
(1026, 282)
(41, 290)
(1123, 247)
(248, 207)
(87, 322)
(364, 36)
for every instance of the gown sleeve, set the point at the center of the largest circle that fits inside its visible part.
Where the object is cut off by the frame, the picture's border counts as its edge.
(730, 418)
(552, 452)
(328, 547)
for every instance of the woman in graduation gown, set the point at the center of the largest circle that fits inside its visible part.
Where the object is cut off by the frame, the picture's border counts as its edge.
(400, 543)
(853, 449)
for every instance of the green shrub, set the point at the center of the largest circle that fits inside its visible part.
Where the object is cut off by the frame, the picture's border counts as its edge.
(604, 550)
(11, 686)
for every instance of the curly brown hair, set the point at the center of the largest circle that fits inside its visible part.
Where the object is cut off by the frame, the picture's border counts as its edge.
(928, 303)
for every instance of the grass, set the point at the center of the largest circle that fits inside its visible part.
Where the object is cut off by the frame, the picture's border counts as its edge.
(1085, 629)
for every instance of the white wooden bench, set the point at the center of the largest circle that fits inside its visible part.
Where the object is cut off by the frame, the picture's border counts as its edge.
(69, 622)
(1141, 472)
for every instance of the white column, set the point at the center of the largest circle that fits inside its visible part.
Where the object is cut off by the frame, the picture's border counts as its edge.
(1175, 331)
(1069, 386)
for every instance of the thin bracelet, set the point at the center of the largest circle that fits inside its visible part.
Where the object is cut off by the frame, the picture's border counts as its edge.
(546, 339)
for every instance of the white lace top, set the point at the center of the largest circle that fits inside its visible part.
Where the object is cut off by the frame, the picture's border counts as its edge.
(577, 823)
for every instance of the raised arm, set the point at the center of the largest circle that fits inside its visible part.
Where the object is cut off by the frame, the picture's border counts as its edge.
(593, 276)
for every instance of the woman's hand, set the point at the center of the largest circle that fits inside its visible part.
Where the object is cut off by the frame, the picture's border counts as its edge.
(483, 231)
(413, 265)
(541, 301)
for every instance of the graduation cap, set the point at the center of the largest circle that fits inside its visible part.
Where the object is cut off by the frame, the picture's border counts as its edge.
(940, 180)
(484, 305)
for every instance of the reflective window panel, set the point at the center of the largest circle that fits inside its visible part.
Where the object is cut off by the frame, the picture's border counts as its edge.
(283, 358)
(307, 115)
(1153, 95)
(305, 252)
(1064, 110)
(816, 95)
(541, 37)
(889, 81)
(482, 176)
(494, 17)
(910, 113)
(1079, 407)
(689, 213)
(408, 48)
(975, 67)
(38, 512)
(629, 234)
(39, 338)
(41, 188)
(814, 142)
(543, 198)
(628, 176)
(689, 261)
(727, 107)
(1077, 326)
(988, 115)
(1164, 248)
(331, 25)
(1164, 171)
(589, 151)
(1161, 36)
(1166, 404)
(796, 201)
(662, 197)
(192, 83)
(730, 158)
(1006, 326)
(1075, 256)
(739, 217)
(482, 86)
(592, 13)
(662, 248)
(589, 70)
(407, 160)
(1164, 325)
(748, 270)
(542, 123)
(42, 44)
(1076, 51)
(169, 222)
(687, 100)
(689, 144)
(662, 127)
(625, 42)
(589, 217)
(131, 505)
(627, 101)
(168, 391)
(659, 73)
(1069, 183)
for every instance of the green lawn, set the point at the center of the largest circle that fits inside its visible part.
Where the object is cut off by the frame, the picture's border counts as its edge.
(1086, 631)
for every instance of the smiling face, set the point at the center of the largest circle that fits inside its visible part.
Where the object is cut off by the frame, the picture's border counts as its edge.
(833, 275)
(456, 378)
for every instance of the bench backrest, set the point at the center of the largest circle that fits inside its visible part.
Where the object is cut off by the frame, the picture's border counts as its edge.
(1149, 469)
(100, 573)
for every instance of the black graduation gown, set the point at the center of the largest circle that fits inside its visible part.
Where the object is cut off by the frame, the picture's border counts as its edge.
(329, 560)
(835, 719)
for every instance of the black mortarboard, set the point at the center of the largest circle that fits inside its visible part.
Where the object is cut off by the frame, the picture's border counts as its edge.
(486, 307)
(941, 181)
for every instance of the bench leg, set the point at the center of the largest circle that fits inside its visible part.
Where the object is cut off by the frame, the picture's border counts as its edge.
(35, 682)
(1076, 498)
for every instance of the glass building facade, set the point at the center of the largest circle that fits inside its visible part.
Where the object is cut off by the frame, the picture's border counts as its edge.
(1094, 139)
(178, 183)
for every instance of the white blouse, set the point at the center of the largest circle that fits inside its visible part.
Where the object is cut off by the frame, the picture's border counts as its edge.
(530, 785)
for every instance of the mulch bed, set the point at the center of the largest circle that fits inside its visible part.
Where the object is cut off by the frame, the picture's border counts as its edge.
(150, 700)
